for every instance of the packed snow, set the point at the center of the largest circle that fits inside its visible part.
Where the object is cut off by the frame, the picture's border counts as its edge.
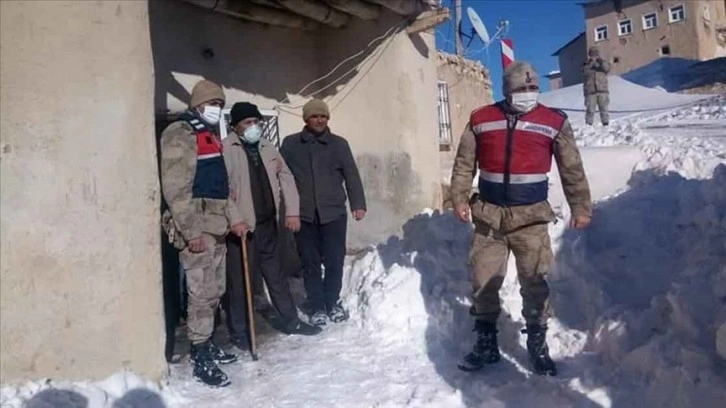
(627, 100)
(639, 297)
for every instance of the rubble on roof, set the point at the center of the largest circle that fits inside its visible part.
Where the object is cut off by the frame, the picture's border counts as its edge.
(466, 67)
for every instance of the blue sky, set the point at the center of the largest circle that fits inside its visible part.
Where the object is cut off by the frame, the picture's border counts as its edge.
(537, 28)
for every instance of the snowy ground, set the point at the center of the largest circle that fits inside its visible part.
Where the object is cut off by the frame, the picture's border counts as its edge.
(639, 297)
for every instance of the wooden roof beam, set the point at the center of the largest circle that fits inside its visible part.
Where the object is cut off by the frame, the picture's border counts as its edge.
(317, 11)
(402, 7)
(356, 8)
(428, 20)
(259, 14)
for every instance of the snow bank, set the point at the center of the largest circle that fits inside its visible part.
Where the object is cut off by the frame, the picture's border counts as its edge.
(639, 297)
(123, 390)
(689, 140)
(639, 300)
(626, 100)
(608, 169)
(649, 279)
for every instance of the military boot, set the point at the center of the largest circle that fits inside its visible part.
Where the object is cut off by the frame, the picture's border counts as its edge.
(219, 356)
(538, 351)
(486, 349)
(205, 370)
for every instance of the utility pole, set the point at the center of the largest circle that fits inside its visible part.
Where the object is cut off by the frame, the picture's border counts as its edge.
(459, 44)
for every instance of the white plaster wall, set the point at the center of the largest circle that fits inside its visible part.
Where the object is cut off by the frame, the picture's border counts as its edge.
(80, 292)
(253, 62)
(470, 87)
(468, 90)
(386, 108)
(388, 113)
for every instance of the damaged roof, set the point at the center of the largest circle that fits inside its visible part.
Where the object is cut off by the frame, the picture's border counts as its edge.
(312, 14)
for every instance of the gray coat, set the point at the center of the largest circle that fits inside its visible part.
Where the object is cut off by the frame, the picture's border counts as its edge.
(322, 165)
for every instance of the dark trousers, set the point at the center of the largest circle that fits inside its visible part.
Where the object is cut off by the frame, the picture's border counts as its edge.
(264, 256)
(322, 244)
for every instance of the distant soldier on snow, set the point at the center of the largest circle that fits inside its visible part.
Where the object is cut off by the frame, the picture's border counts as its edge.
(595, 86)
(512, 143)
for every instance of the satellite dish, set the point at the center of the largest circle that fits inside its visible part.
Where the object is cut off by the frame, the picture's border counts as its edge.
(478, 25)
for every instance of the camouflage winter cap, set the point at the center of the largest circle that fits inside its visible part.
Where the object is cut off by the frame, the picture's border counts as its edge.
(519, 74)
(205, 91)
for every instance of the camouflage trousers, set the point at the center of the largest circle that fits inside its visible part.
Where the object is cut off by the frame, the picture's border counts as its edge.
(205, 272)
(601, 101)
(489, 254)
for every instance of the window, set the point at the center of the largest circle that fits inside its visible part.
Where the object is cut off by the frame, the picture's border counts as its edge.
(665, 50)
(601, 33)
(650, 21)
(676, 14)
(625, 27)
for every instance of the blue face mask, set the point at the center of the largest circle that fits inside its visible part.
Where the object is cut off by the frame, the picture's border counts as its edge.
(252, 134)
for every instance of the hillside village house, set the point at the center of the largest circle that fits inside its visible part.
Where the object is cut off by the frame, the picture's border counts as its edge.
(634, 33)
(86, 86)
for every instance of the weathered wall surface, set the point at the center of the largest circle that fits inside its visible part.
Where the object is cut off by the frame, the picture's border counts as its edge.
(386, 107)
(692, 38)
(388, 113)
(253, 62)
(470, 87)
(570, 60)
(80, 291)
(710, 15)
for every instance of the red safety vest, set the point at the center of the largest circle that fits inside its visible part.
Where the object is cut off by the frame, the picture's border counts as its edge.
(514, 158)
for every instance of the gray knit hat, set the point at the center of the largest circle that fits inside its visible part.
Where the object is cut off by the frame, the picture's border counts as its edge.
(315, 107)
(519, 74)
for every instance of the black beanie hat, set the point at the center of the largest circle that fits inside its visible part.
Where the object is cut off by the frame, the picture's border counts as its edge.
(243, 110)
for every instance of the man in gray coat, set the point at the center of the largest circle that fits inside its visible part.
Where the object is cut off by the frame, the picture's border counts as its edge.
(326, 176)
(595, 87)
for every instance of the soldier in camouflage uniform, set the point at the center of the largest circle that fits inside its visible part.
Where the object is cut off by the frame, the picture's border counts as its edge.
(595, 87)
(511, 143)
(196, 189)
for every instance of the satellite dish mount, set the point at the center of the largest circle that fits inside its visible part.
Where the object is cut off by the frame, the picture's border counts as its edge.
(478, 29)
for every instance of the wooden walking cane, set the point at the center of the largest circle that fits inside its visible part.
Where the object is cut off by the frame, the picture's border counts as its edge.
(250, 305)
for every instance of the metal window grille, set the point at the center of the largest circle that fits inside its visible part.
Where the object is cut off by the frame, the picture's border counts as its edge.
(270, 125)
(444, 115)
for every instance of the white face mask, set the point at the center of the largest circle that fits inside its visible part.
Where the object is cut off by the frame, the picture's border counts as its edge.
(252, 134)
(524, 101)
(211, 114)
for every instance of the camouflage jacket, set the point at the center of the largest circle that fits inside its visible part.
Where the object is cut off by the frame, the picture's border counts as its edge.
(596, 76)
(572, 174)
(196, 202)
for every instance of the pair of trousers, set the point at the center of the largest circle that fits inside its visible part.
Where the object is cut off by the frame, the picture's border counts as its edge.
(533, 254)
(264, 258)
(599, 101)
(205, 275)
(318, 245)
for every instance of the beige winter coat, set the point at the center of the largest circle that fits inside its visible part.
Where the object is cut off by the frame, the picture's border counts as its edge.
(240, 207)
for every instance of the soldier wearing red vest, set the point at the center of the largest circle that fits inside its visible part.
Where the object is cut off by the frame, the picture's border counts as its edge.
(511, 143)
